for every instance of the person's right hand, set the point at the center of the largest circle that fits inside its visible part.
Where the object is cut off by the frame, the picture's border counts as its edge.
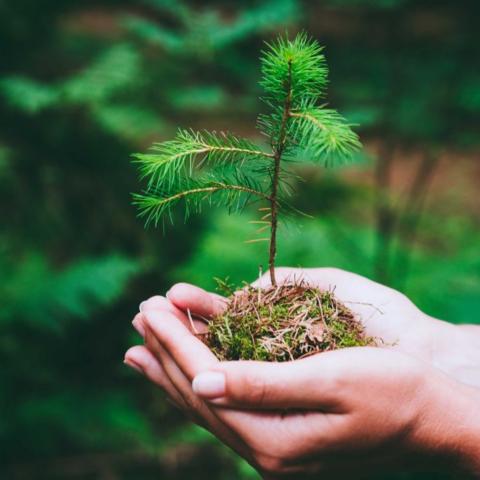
(349, 413)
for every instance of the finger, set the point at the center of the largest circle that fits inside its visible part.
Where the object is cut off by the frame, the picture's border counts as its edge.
(200, 302)
(162, 303)
(189, 353)
(141, 359)
(175, 336)
(175, 374)
(263, 385)
(193, 406)
(308, 432)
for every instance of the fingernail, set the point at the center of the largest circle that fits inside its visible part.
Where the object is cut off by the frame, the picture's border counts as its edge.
(209, 385)
(140, 307)
(133, 365)
(166, 295)
(139, 328)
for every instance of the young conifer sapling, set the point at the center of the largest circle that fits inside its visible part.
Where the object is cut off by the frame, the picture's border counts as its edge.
(282, 321)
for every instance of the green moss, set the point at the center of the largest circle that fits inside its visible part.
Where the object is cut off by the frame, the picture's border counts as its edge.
(288, 323)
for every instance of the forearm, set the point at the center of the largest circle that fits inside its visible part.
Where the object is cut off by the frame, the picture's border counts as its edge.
(456, 351)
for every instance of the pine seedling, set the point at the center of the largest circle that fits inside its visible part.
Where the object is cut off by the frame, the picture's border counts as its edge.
(224, 169)
(295, 77)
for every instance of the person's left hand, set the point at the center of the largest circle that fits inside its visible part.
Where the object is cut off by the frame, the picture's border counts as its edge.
(156, 363)
(350, 413)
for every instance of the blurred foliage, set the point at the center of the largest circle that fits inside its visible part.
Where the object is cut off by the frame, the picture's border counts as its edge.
(83, 84)
(49, 297)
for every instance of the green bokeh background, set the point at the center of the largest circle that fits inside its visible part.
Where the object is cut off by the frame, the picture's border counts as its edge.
(83, 84)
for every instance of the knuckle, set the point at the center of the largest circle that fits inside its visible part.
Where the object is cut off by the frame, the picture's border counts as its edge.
(156, 301)
(155, 298)
(160, 382)
(333, 382)
(254, 389)
(156, 321)
(150, 316)
(193, 404)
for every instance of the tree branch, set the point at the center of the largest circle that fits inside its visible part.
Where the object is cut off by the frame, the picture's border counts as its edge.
(209, 148)
(216, 188)
(239, 150)
(310, 118)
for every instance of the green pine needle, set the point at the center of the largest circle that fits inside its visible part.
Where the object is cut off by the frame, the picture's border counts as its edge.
(173, 158)
(309, 70)
(235, 191)
(326, 135)
(295, 78)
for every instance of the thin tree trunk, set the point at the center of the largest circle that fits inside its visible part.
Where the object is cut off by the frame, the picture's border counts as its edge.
(411, 218)
(276, 175)
(384, 214)
(384, 211)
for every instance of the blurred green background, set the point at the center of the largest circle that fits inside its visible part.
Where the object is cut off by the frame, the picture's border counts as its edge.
(85, 83)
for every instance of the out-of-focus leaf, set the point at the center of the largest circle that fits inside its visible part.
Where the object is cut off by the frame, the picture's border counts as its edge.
(116, 71)
(470, 96)
(199, 98)
(154, 33)
(378, 4)
(51, 298)
(28, 95)
(128, 121)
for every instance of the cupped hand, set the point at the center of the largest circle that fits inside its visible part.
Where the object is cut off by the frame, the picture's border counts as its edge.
(386, 314)
(155, 362)
(345, 414)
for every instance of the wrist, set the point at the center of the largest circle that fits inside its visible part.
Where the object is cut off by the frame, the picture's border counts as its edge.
(446, 437)
(461, 432)
(455, 351)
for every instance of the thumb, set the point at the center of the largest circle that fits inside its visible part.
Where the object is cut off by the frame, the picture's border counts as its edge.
(200, 303)
(312, 383)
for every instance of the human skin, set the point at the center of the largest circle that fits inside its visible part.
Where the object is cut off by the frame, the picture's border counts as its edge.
(344, 414)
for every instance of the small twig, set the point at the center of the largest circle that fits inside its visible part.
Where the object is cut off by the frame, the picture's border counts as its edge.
(191, 322)
(366, 305)
(290, 321)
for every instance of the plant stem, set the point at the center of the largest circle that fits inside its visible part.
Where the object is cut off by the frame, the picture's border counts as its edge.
(276, 173)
